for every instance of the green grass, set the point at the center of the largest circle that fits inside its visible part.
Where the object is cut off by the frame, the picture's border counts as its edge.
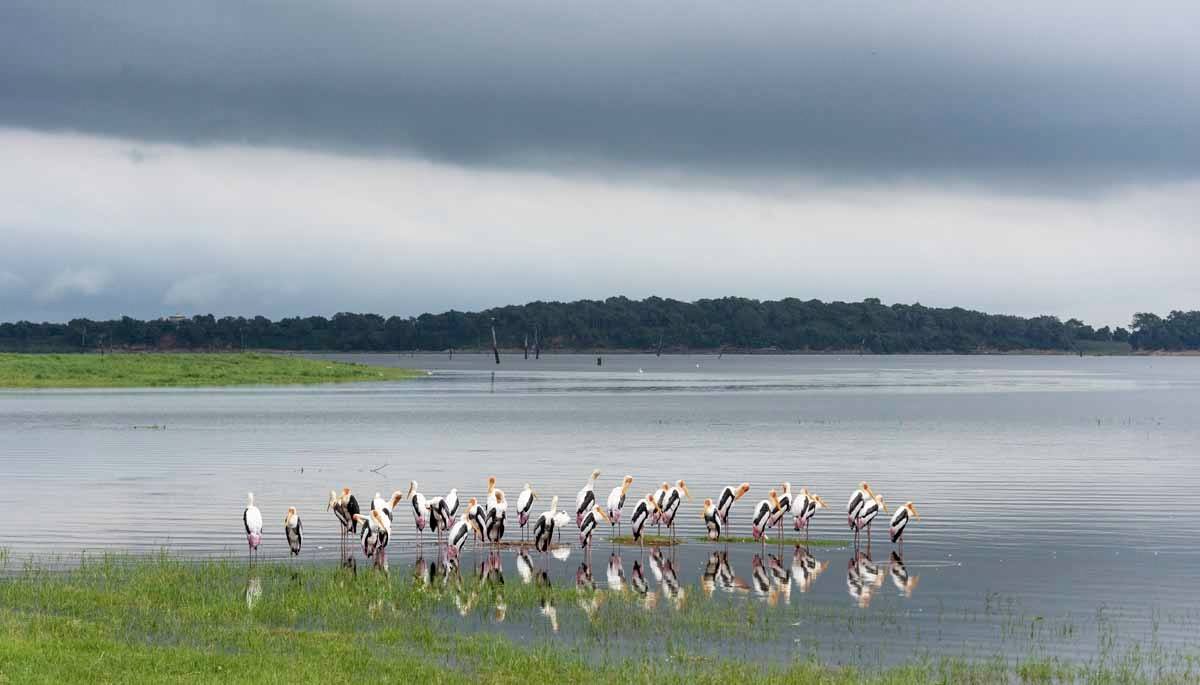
(158, 619)
(790, 540)
(132, 370)
(648, 540)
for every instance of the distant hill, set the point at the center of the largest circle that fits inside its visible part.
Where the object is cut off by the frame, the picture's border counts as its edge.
(618, 323)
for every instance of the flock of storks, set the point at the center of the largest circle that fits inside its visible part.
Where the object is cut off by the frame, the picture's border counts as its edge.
(485, 521)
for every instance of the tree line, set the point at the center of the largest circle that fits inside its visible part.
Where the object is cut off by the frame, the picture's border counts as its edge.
(618, 323)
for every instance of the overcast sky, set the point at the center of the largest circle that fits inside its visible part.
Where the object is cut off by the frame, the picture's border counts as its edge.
(293, 157)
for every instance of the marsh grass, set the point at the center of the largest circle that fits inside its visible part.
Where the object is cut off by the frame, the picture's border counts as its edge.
(155, 619)
(774, 541)
(127, 370)
(647, 540)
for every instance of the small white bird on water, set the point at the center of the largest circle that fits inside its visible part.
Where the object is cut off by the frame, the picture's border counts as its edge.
(252, 519)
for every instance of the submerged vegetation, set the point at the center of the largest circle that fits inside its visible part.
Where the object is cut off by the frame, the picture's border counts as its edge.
(167, 370)
(122, 619)
(618, 323)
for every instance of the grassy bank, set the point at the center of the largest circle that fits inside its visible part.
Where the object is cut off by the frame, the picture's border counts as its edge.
(159, 619)
(183, 370)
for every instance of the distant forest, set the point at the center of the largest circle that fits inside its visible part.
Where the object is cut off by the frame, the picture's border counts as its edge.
(618, 323)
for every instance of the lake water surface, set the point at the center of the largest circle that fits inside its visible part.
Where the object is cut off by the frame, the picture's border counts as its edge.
(1059, 495)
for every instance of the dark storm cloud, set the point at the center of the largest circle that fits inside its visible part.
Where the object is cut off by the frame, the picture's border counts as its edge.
(1075, 93)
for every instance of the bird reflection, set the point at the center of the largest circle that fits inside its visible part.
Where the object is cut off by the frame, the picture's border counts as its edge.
(550, 612)
(420, 570)
(525, 567)
(637, 580)
(492, 569)
(616, 573)
(583, 577)
(863, 578)
(727, 580)
(253, 591)
(905, 583)
(806, 568)
(656, 559)
(781, 579)
(561, 553)
(671, 588)
(708, 579)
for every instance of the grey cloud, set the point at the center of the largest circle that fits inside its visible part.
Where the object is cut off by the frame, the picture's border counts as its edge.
(1074, 94)
(87, 281)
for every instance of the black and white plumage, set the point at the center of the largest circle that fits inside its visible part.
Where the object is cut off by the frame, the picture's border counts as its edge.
(543, 529)
(643, 512)
(457, 537)
(252, 520)
(901, 579)
(783, 508)
(660, 501)
(292, 528)
(900, 521)
(496, 515)
(712, 520)
(588, 525)
(586, 498)
(344, 507)
(419, 505)
(728, 496)
(673, 501)
(376, 532)
(616, 501)
(807, 506)
(452, 502)
(762, 513)
(477, 514)
(524, 506)
(858, 501)
(440, 518)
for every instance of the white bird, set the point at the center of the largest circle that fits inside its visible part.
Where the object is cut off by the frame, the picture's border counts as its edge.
(524, 505)
(477, 514)
(452, 502)
(344, 508)
(586, 498)
(900, 522)
(671, 508)
(252, 518)
(783, 508)
(809, 504)
(543, 530)
(458, 536)
(616, 500)
(660, 499)
(860, 499)
(645, 509)
(291, 527)
(440, 518)
(588, 526)
(496, 515)
(762, 512)
(728, 496)
(419, 505)
(712, 520)
(378, 502)
(376, 529)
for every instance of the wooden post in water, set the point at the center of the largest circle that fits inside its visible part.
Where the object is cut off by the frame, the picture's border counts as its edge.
(495, 347)
(658, 353)
(537, 343)
(526, 346)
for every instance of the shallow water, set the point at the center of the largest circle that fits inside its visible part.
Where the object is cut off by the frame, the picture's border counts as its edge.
(1052, 487)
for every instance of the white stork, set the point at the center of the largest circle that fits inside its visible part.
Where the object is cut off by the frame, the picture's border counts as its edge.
(420, 507)
(762, 512)
(712, 520)
(674, 499)
(344, 508)
(782, 509)
(458, 536)
(728, 496)
(496, 514)
(252, 519)
(588, 526)
(543, 530)
(900, 522)
(616, 500)
(809, 504)
(860, 500)
(291, 527)
(524, 505)
(586, 498)
(645, 509)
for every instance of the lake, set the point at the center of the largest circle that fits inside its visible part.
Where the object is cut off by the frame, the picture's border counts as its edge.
(1058, 494)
